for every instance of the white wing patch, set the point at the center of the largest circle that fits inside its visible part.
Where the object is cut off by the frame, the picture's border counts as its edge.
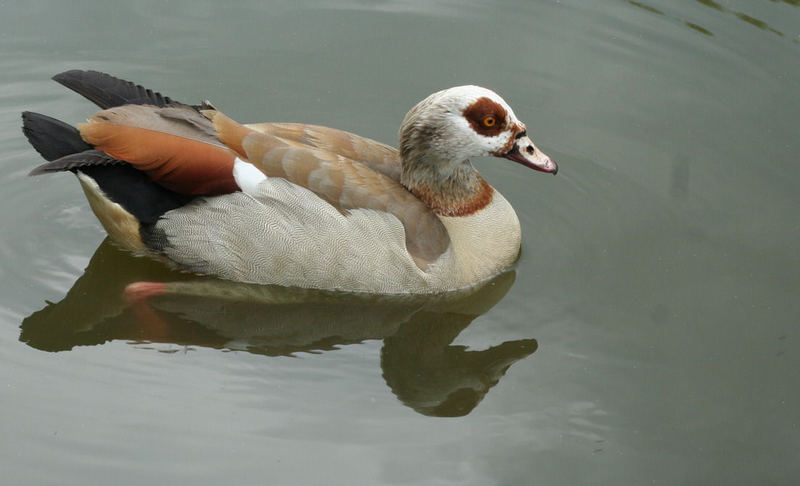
(247, 176)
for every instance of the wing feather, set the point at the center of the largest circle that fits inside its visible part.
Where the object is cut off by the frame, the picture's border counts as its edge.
(378, 156)
(175, 146)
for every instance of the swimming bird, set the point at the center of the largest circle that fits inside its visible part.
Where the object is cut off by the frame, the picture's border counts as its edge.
(295, 204)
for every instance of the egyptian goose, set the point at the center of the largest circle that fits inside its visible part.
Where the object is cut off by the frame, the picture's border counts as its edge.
(294, 204)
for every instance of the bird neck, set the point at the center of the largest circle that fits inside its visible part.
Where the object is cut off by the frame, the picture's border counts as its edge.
(448, 188)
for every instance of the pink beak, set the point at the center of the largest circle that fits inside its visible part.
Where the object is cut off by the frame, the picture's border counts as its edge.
(526, 153)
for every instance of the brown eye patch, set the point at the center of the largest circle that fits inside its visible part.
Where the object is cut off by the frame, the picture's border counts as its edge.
(486, 117)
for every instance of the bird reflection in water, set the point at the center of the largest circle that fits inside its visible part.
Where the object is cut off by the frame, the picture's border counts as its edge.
(420, 365)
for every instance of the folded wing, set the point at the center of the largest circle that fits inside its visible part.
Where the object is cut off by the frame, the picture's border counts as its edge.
(344, 183)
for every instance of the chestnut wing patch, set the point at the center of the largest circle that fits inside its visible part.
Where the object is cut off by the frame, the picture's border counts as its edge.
(175, 146)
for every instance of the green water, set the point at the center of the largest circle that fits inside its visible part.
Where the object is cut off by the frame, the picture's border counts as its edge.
(648, 335)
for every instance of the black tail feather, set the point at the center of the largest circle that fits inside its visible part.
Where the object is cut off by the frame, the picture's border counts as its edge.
(52, 138)
(106, 91)
(76, 161)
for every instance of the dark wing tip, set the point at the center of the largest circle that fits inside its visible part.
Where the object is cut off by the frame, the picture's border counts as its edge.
(50, 137)
(72, 162)
(107, 91)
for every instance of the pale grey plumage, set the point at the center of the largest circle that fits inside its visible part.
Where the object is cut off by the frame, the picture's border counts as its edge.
(287, 235)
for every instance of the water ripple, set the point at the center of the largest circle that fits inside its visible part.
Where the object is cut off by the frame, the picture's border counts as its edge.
(744, 17)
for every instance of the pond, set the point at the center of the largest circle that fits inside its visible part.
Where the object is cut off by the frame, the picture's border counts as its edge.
(648, 333)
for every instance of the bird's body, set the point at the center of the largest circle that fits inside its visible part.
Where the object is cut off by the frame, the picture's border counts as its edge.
(293, 204)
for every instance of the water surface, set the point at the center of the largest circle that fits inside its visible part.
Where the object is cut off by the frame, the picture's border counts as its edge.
(648, 334)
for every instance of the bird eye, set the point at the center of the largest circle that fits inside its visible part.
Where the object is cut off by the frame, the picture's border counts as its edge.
(489, 121)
